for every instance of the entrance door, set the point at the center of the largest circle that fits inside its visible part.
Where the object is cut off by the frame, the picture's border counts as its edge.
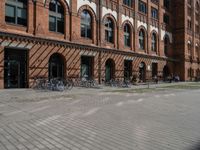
(56, 66)
(142, 72)
(166, 73)
(87, 67)
(127, 69)
(154, 69)
(15, 68)
(110, 70)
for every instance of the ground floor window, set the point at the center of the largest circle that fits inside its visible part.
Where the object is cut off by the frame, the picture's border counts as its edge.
(56, 66)
(154, 69)
(87, 64)
(109, 70)
(142, 72)
(127, 69)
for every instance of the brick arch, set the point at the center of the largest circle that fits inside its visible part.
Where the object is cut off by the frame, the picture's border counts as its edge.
(129, 23)
(89, 9)
(112, 18)
(63, 3)
(142, 28)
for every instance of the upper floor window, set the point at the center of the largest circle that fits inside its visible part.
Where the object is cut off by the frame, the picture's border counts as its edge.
(142, 39)
(127, 37)
(190, 2)
(128, 2)
(16, 12)
(189, 47)
(109, 30)
(142, 7)
(154, 13)
(166, 45)
(154, 42)
(166, 3)
(56, 16)
(166, 19)
(86, 24)
(189, 24)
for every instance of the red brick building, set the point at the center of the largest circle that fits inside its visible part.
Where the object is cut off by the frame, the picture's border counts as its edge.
(102, 39)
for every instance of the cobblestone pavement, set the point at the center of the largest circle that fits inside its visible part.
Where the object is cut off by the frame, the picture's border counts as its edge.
(94, 119)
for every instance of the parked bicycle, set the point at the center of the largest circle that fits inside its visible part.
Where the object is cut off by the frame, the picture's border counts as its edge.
(53, 84)
(84, 82)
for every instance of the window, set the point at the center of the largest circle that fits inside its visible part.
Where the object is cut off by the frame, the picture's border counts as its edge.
(141, 39)
(86, 27)
(16, 12)
(109, 29)
(189, 24)
(154, 13)
(190, 2)
(128, 2)
(197, 51)
(197, 29)
(189, 47)
(127, 36)
(166, 19)
(154, 42)
(142, 7)
(56, 17)
(166, 4)
(166, 45)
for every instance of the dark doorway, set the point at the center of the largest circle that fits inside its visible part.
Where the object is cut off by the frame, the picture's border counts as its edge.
(56, 66)
(166, 72)
(142, 72)
(109, 70)
(87, 64)
(154, 69)
(15, 68)
(127, 69)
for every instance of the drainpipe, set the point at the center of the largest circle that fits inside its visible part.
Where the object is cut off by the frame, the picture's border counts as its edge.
(99, 40)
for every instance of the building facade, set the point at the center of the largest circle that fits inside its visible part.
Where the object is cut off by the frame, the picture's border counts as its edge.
(99, 39)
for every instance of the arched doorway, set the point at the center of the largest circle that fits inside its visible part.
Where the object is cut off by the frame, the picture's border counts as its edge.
(166, 72)
(56, 66)
(142, 72)
(109, 70)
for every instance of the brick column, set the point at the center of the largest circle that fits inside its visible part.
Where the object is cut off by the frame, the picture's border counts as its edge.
(2, 14)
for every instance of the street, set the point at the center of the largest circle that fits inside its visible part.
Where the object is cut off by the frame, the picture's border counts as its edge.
(100, 119)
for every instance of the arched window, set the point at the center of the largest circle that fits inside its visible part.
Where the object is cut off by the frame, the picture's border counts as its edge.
(197, 6)
(197, 50)
(166, 45)
(142, 39)
(154, 42)
(127, 36)
(189, 47)
(86, 24)
(56, 16)
(16, 12)
(109, 30)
